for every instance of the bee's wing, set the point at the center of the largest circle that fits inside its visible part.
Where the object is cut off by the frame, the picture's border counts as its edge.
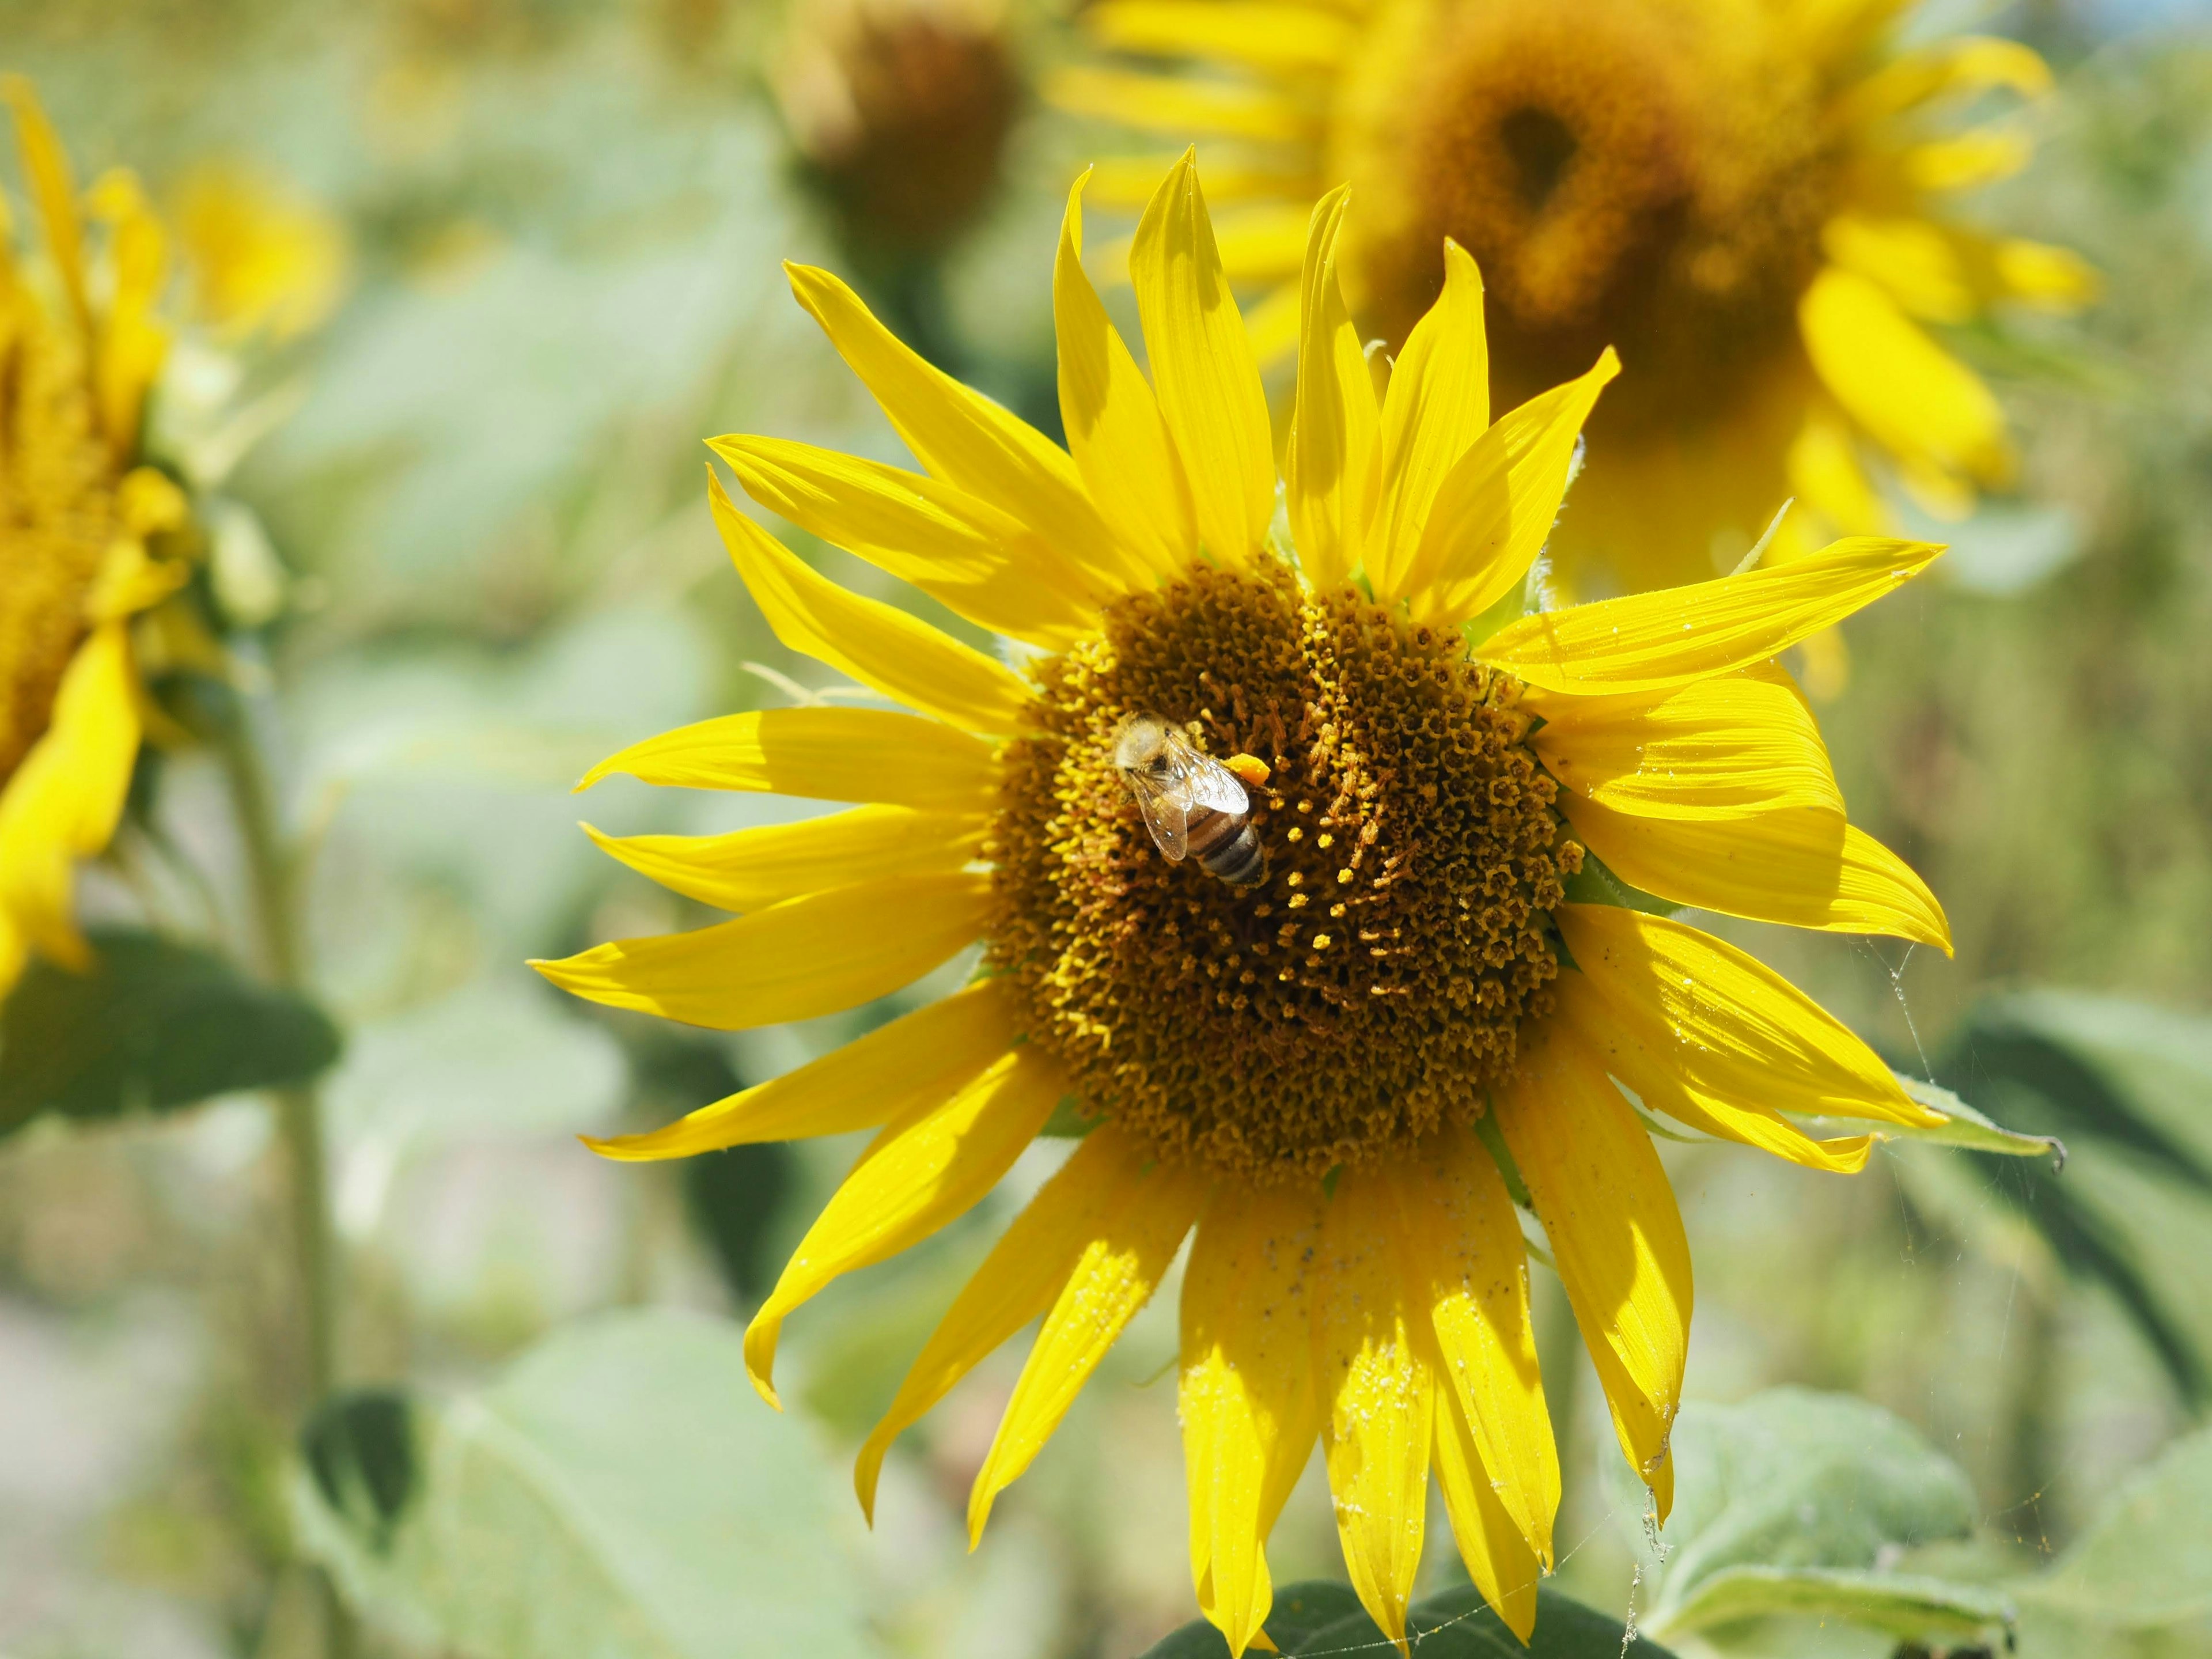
(1209, 783)
(1161, 808)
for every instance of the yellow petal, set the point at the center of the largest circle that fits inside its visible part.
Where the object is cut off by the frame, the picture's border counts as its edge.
(882, 646)
(1731, 1028)
(980, 563)
(1202, 364)
(1113, 421)
(1252, 33)
(133, 341)
(1247, 1401)
(1911, 257)
(1438, 405)
(825, 754)
(1497, 1558)
(1128, 181)
(2049, 278)
(928, 1166)
(1464, 1260)
(1379, 1392)
(1495, 507)
(1960, 66)
(1912, 397)
(1645, 642)
(1336, 432)
(46, 168)
(1825, 475)
(916, 1061)
(751, 869)
(1272, 325)
(804, 957)
(62, 802)
(1131, 1248)
(1727, 747)
(1022, 1276)
(1801, 866)
(1970, 160)
(1615, 1234)
(964, 438)
(1638, 1049)
(1179, 107)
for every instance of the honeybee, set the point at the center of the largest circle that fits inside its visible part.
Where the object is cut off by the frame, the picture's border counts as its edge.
(1191, 802)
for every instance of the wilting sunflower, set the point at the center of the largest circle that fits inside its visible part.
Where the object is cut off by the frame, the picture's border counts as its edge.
(85, 530)
(1341, 1073)
(1745, 196)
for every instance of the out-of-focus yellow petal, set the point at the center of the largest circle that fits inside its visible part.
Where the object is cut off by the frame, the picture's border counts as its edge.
(1731, 1028)
(132, 341)
(900, 655)
(1801, 866)
(2049, 278)
(1616, 1233)
(1962, 65)
(1179, 107)
(1378, 1389)
(1497, 1558)
(1272, 325)
(1330, 472)
(1438, 405)
(1113, 421)
(1024, 1275)
(1729, 747)
(1464, 1260)
(46, 168)
(1131, 1245)
(916, 1061)
(1909, 256)
(1826, 477)
(928, 1166)
(1128, 181)
(1247, 1399)
(964, 438)
(751, 869)
(1912, 397)
(61, 804)
(1202, 365)
(1970, 160)
(804, 957)
(1262, 244)
(1253, 33)
(1645, 642)
(982, 563)
(824, 754)
(1640, 1056)
(260, 254)
(1496, 505)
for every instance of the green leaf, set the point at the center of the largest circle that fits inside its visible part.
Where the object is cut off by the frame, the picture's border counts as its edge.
(619, 1494)
(1792, 1491)
(1319, 1618)
(2145, 1560)
(1966, 1128)
(1908, 1604)
(154, 1026)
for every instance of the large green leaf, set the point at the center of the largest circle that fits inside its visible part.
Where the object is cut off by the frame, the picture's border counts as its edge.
(1311, 1620)
(153, 1024)
(1792, 1503)
(2138, 1581)
(619, 1494)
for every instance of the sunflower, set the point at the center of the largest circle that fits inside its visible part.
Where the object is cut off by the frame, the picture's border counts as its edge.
(1339, 1075)
(1745, 196)
(85, 530)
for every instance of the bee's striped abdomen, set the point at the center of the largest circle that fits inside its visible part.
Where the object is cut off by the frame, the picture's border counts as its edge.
(1226, 846)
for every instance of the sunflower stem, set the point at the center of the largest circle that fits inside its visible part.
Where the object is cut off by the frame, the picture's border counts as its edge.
(274, 871)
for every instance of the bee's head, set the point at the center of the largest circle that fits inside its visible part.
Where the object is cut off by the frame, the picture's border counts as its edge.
(1140, 743)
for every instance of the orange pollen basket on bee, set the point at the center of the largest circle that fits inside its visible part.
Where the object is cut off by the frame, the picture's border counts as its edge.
(1375, 981)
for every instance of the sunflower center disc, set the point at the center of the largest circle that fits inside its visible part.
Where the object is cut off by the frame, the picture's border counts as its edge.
(1375, 983)
(57, 518)
(1646, 174)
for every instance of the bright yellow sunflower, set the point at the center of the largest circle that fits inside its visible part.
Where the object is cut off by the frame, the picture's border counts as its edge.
(1743, 195)
(1341, 1073)
(85, 530)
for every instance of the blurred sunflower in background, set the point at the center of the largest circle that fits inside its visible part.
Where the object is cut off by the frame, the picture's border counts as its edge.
(1343, 1070)
(1748, 198)
(97, 541)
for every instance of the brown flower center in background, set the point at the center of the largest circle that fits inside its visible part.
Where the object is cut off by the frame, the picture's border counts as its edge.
(1648, 174)
(1376, 982)
(57, 516)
